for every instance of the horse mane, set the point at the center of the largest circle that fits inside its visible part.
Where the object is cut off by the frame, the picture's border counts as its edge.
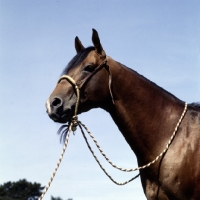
(152, 83)
(195, 104)
(77, 59)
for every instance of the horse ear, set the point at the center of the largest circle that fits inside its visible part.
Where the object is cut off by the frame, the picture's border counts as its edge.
(78, 45)
(96, 41)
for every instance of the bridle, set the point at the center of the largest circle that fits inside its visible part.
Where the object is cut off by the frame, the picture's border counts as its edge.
(79, 85)
(74, 123)
(74, 120)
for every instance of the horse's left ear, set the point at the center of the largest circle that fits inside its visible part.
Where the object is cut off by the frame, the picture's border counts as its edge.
(96, 41)
(78, 45)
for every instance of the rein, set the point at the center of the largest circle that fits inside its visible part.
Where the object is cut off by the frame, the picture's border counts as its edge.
(74, 123)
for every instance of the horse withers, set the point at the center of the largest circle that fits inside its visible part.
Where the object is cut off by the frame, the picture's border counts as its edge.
(145, 114)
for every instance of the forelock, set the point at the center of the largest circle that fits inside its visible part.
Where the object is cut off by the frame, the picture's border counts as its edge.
(77, 59)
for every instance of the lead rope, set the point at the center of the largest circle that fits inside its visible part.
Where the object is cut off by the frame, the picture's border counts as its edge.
(73, 125)
(58, 164)
(118, 183)
(137, 168)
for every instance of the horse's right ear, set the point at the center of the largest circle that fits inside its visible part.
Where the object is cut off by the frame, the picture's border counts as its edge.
(78, 45)
(97, 44)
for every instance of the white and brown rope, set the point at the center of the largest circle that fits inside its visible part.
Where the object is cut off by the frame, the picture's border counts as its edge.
(58, 163)
(73, 126)
(137, 168)
(110, 177)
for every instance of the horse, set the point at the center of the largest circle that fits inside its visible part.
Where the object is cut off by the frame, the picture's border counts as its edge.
(145, 114)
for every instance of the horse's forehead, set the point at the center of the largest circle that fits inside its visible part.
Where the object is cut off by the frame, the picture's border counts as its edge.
(74, 67)
(92, 58)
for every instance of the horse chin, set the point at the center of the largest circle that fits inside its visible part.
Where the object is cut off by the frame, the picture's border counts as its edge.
(63, 117)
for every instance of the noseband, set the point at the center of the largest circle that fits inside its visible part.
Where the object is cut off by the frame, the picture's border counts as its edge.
(79, 84)
(74, 123)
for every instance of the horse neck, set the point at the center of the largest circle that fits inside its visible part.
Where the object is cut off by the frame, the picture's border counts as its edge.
(144, 113)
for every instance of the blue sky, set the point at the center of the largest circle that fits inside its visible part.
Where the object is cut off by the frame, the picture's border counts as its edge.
(158, 39)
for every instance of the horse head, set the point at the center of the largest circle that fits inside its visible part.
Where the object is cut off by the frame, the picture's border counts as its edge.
(91, 73)
(149, 118)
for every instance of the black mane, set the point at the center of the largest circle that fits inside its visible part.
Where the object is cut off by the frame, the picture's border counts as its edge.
(77, 59)
(195, 104)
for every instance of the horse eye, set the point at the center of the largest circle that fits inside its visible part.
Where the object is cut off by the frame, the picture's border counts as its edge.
(88, 68)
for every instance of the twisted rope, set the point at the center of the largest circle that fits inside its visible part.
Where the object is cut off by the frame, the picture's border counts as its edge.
(137, 168)
(122, 183)
(58, 164)
(73, 125)
(101, 151)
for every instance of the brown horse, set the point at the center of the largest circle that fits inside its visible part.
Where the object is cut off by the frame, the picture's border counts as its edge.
(145, 114)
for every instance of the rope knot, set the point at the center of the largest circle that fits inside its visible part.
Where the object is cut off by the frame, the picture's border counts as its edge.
(74, 123)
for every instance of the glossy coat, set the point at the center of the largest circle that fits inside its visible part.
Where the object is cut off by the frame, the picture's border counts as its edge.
(145, 114)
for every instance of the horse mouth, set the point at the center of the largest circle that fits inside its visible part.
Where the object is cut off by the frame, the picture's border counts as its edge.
(61, 117)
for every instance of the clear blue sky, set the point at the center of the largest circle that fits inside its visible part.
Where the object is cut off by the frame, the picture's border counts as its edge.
(158, 39)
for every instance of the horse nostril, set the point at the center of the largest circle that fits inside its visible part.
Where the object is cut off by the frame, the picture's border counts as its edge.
(57, 102)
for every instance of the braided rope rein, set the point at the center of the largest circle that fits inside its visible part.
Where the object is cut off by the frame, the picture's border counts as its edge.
(137, 168)
(110, 177)
(58, 164)
(73, 125)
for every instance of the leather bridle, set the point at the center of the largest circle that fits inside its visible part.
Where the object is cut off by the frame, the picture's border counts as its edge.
(78, 85)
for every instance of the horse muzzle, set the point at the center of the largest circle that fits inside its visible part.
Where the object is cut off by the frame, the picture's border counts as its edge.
(57, 111)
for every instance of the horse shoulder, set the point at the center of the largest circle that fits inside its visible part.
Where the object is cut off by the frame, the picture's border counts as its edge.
(181, 165)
